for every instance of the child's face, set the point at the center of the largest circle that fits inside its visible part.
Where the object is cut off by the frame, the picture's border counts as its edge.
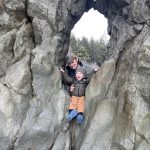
(79, 75)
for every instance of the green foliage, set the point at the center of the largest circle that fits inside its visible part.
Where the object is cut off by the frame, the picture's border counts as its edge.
(89, 50)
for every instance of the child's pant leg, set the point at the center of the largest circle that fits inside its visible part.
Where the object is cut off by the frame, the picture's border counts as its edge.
(81, 104)
(73, 102)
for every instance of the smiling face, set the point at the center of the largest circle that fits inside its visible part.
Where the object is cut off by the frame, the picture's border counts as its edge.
(73, 64)
(79, 75)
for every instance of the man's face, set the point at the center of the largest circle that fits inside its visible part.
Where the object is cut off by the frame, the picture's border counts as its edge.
(79, 75)
(73, 64)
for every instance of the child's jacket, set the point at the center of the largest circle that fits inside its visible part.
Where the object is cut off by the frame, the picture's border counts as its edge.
(80, 86)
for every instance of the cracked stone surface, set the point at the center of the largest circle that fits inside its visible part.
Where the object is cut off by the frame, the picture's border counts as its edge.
(34, 38)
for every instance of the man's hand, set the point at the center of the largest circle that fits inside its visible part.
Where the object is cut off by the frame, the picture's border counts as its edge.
(95, 67)
(61, 70)
(72, 87)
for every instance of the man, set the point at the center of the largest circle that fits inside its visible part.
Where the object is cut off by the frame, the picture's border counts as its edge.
(73, 63)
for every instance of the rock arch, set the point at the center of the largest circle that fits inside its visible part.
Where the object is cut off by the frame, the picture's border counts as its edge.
(34, 40)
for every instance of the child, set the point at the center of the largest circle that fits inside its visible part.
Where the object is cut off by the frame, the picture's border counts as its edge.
(78, 86)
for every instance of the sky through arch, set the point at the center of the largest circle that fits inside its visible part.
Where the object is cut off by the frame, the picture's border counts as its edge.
(92, 24)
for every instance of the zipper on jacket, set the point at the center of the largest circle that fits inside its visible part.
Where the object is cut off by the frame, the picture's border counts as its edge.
(78, 88)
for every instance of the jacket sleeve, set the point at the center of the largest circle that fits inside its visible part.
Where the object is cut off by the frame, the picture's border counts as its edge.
(88, 68)
(66, 79)
(90, 76)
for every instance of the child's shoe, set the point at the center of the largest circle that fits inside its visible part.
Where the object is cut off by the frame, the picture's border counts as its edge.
(72, 114)
(80, 119)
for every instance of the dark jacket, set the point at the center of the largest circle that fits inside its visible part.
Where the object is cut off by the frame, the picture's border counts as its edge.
(80, 86)
(71, 73)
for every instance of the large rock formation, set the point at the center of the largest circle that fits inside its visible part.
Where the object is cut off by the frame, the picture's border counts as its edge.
(33, 43)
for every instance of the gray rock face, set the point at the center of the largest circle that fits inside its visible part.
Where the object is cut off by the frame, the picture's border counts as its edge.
(33, 43)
